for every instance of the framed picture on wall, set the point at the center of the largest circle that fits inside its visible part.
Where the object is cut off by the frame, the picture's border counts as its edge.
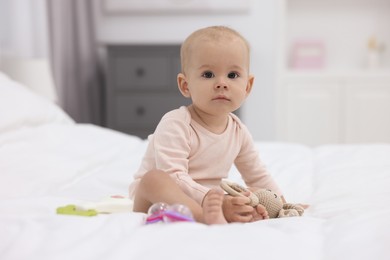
(308, 54)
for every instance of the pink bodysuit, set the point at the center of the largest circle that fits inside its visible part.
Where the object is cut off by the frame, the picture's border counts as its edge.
(198, 159)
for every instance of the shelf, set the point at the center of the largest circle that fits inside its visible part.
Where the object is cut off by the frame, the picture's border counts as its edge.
(343, 28)
(365, 73)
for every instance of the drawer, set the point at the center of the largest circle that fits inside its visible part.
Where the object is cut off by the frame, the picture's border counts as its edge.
(143, 73)
(144, 111)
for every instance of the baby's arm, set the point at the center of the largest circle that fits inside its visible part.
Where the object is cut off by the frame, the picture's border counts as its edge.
(253, 170)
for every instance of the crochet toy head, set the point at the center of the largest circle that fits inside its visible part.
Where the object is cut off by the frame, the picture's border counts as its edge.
(269, 199)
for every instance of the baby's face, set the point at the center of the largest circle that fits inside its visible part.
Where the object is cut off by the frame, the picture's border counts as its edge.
(218, 75)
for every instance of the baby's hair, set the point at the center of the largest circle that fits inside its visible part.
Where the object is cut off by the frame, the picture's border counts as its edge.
(214, 33)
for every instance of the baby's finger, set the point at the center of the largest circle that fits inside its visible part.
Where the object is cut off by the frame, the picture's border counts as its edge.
(261, 210)
(243, 209)
(243, 218)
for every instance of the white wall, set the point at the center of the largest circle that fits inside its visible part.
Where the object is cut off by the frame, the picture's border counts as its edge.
(23, 34)
(24, 48)
(23, 29)
(258, 26)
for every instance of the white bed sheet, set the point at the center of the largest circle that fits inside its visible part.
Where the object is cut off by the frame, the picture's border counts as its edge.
(47, 161)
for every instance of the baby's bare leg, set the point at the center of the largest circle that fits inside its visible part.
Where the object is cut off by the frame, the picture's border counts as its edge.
(157, 186)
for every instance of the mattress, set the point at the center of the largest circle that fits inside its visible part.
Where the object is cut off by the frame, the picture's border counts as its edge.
(48, 161)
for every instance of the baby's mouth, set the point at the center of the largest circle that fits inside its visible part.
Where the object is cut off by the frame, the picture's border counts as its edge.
(221, 97)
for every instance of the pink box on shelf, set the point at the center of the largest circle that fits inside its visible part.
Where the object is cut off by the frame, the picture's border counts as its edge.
(308, 54)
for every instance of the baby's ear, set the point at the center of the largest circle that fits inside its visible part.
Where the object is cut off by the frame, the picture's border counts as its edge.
(249, 85)
(183, 85)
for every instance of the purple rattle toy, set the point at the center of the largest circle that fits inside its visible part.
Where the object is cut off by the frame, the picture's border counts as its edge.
(161, 212)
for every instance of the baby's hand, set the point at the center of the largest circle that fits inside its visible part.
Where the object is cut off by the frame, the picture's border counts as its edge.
(236, 209)
(259, 212)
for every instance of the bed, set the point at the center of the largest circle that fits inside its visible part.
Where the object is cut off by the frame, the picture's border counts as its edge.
(47, 161)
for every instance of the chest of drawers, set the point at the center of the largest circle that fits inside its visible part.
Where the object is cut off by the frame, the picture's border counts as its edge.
(141, 86)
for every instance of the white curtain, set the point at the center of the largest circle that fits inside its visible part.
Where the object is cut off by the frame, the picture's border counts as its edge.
(74, 59)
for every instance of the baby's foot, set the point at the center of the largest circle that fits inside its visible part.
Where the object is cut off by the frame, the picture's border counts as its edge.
(260, 213)
(212, 208)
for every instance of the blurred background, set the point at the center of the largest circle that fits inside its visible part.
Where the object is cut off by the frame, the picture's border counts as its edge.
(322, 67)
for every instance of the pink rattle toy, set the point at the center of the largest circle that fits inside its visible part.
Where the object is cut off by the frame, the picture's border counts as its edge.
(161, 212)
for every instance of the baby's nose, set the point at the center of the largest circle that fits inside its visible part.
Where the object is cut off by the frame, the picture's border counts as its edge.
(221, 84)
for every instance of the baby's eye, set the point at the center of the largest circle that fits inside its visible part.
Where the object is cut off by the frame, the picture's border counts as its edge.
(232, 75)
(208, 74)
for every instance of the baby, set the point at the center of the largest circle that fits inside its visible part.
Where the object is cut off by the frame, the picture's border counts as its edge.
(194, 147)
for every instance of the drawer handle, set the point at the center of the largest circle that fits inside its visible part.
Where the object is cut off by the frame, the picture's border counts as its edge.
(140, 72)
(140, 111)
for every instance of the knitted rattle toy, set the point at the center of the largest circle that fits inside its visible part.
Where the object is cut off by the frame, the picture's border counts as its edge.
(270, 200)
